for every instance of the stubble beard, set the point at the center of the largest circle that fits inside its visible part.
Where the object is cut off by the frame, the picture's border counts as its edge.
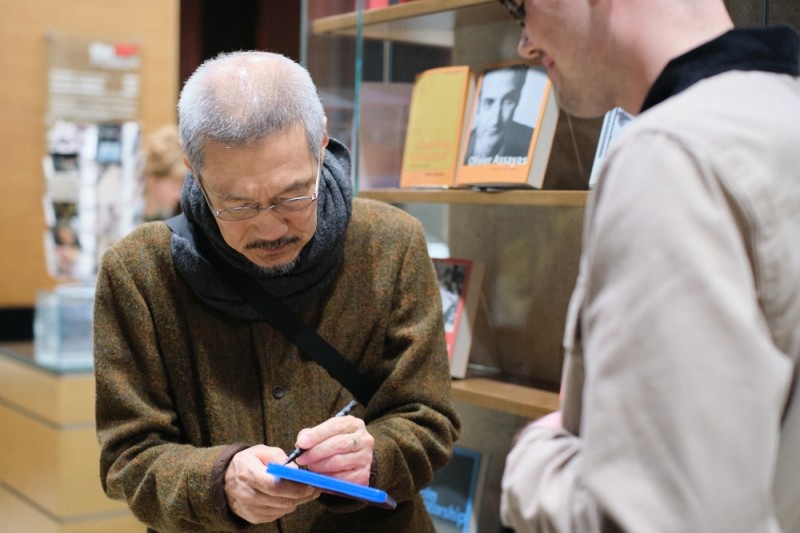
(279, 270)
(275, 270)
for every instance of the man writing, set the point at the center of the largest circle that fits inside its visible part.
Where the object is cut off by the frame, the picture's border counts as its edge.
(680, 407)
(197, 392)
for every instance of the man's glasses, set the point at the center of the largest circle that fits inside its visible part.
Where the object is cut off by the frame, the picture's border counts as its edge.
(515, 10)
(289, 205)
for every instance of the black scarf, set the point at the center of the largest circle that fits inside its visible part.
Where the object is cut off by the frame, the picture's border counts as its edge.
(318, 262)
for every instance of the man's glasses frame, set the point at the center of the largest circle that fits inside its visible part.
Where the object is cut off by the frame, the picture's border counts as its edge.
(517, 11)
(245, 212)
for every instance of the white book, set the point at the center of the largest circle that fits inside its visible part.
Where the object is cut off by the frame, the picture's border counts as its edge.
(613, 122)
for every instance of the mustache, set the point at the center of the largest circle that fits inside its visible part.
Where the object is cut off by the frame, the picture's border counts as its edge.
(269, 245)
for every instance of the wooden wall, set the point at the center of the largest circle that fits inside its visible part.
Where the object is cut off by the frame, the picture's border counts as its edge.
(23, 26)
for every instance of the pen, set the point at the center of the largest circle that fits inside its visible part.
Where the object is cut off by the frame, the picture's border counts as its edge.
(297, 452)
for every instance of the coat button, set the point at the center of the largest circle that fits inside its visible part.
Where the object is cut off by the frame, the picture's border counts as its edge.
(278, 392)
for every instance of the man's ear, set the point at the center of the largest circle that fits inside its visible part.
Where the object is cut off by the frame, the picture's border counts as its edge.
(188, 165)
(325, 138)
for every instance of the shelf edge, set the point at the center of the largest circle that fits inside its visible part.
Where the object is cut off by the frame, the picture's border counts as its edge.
(556, 198)
(510, 398)
(347, 21)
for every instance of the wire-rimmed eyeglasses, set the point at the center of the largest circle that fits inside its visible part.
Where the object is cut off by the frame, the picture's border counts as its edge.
(515, 10)
(244, 212)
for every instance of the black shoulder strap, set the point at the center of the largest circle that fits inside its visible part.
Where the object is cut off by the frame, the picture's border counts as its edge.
(284, 319)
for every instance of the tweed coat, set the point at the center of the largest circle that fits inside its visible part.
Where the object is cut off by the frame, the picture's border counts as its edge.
(178, 381)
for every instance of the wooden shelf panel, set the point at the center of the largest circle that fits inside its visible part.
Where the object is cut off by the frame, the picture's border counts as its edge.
(422, 21)
(463, 196)
(58, 399)
(506, 397)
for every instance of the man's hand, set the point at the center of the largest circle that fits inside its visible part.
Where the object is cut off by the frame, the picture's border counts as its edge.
(549, 421)
(340, 447)
(257, 496)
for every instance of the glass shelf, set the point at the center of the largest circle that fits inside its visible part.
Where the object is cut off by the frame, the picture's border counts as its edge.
(430, 22)
(462, 196)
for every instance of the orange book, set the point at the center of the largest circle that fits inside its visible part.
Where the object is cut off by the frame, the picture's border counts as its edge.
(439, 102)
(511, 129)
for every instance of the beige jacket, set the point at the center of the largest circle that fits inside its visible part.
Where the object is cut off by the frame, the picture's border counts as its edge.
(683, 415)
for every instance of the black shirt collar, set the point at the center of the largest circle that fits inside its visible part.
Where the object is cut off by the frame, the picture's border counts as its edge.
(774, 49)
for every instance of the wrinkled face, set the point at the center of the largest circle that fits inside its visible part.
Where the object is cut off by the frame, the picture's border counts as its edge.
(572, 41)
(261, 175)
(498, 101)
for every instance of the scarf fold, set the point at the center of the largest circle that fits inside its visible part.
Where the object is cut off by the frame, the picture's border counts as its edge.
(318, 262)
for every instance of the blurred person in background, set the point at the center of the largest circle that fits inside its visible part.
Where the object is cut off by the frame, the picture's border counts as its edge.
(164, 172)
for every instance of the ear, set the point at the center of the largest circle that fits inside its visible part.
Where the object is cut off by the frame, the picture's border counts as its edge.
(325, 138)
(188, 165)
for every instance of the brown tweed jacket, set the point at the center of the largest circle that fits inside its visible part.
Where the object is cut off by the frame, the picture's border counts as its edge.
(178, 382)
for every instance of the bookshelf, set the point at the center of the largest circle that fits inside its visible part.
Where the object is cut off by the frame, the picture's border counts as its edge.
(515, 232)
(528, 240)
(492, 393)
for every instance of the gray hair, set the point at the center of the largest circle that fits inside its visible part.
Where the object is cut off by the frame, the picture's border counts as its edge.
(240, 98)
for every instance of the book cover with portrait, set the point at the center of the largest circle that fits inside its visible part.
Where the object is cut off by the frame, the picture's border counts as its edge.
(511, 128)
(459, 286)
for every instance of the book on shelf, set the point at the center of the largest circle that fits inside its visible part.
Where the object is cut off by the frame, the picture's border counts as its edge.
(613, 122)
(454, 496)
(439, 103)
(512, 125)
(459, 286)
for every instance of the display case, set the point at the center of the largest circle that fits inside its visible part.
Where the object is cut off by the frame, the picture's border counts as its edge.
(364, 62)
(529, 240)
(62, 327)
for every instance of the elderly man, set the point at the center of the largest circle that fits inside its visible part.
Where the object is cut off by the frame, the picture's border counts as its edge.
(197, 391)
(680, 408)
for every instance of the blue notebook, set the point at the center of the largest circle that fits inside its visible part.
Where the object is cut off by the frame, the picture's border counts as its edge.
(332, 485)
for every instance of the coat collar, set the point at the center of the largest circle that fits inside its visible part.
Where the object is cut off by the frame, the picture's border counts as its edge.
(775, 49)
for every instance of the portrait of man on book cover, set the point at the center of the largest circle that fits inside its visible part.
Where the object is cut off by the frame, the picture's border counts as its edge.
(452, 277)
(503, 118)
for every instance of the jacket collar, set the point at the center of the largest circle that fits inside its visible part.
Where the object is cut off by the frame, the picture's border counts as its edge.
(775, 49)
